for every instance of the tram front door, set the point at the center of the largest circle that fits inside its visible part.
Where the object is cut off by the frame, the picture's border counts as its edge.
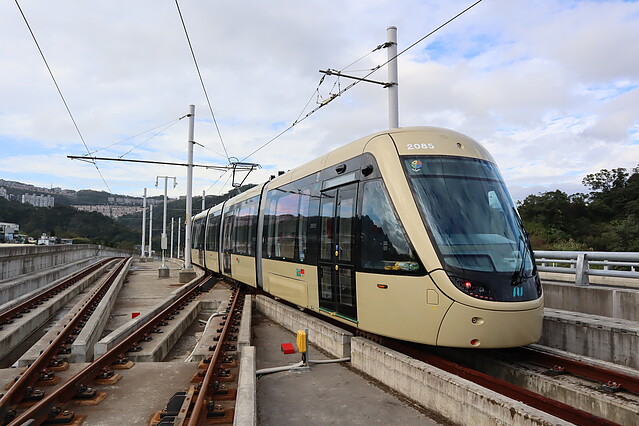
(337, 244)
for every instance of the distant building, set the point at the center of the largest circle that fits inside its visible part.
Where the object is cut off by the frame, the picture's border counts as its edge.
(3, 192)
(107, 210)
(8, 232)
(46, 240)
(38, 200)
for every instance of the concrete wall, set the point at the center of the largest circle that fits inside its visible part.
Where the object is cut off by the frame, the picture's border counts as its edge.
(456, 399)
(607, 339)
(17, 290)
(593, 279)
(27, 259)
(595, 300)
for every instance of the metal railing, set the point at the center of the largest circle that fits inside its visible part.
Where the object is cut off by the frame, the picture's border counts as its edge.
(579, 263)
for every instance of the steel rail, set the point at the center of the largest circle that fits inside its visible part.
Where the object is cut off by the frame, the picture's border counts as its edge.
(198, 415)
(580, 369)
(30, 376)
(540, 402)
(32, 303)
(39, 412)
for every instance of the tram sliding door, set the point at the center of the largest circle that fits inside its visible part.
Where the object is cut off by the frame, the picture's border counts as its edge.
(336, 263)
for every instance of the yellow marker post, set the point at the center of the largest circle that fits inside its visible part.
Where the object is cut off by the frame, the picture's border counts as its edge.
(302, 344)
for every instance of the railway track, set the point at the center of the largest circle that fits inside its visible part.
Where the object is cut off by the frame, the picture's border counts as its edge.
(54, 407)
(609, 380)
(42, 371)
(21, 309)
(548, 405)
(211, 399)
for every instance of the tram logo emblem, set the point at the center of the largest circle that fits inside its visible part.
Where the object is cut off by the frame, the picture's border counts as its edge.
(299, 272)
(416, 165)
(518, 291)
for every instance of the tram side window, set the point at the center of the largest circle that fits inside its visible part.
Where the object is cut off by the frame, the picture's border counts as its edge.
(286, 226)
(228, 240)
(383, 242)
(245, 221)
(213, 231)
(198, 234)
(290, 224)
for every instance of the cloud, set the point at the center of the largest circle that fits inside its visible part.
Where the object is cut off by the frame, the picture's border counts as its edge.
(550, 88)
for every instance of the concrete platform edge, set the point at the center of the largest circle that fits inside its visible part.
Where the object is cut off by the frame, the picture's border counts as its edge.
(82, 347)
(115, 337)
(246, 402)
(244, 335)
(458, 400)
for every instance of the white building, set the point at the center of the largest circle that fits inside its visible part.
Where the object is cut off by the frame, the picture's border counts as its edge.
(46, 240)
(38, 200)
(8, 231)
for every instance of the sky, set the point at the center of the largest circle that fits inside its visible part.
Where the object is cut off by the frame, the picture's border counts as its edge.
(550, 88)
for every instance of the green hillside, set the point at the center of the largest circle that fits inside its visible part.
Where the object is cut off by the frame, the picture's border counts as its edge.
(605, 219)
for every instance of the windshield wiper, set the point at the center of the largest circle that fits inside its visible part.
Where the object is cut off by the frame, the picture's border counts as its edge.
(519, 275)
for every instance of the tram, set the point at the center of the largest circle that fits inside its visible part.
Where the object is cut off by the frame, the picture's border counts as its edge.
(408, 233)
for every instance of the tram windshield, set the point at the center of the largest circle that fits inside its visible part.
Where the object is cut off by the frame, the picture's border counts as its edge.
(471, 217)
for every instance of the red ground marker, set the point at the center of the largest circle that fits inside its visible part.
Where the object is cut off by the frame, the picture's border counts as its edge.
(288, 348)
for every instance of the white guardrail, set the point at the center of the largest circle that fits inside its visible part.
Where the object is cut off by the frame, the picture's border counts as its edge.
(579, 263)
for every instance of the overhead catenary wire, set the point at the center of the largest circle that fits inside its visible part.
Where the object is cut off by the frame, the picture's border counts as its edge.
(169, 123)
(66, 105)
(197, 68)
(148, 139)
(340, 92)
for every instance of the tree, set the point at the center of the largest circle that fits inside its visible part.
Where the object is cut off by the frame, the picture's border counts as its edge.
(606, 180)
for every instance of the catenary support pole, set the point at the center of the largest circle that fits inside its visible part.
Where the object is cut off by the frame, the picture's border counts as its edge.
(203, 199)
(150, 229)
(163, 271)
(393, 89)
(172, 219)
(143, 225)
(179, 233)
(187, 273)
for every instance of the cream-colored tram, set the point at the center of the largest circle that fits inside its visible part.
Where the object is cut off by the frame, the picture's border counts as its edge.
(408, 233)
